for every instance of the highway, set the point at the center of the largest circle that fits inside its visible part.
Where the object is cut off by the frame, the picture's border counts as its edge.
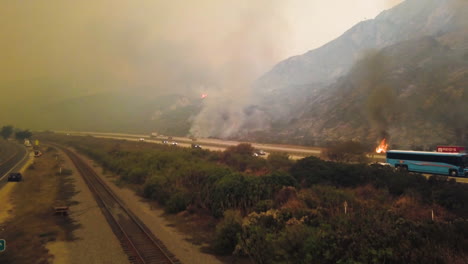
(12, 158)
(295, 152)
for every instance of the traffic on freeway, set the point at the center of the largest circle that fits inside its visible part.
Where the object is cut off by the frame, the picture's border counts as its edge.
(295, 152)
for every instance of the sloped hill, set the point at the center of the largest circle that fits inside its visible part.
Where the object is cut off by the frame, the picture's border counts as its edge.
(283, 90)
(414, 92)
(402, 74)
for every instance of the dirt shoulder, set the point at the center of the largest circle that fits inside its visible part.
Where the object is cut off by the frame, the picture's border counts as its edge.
(94, 241)
(31, 223)
(34, 234)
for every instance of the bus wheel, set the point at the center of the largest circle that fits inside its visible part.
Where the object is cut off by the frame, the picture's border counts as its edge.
(453, 173)
(403, 168)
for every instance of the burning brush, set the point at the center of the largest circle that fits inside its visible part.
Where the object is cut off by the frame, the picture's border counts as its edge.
(383, 146)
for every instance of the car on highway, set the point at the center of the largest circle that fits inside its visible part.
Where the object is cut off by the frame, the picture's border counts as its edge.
(381, 165)
(196, 146)
(173, 143)
(165, 142)
(15, 176)
(260, 153)
(141, 139)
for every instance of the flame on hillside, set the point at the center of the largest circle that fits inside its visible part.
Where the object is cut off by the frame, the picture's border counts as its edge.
(383, 146)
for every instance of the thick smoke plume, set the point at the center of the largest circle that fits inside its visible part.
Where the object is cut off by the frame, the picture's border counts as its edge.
(381, 100)
(253, 45)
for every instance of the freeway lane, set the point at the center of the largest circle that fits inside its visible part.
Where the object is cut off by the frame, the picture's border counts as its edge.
(211, 144)
(12, 157)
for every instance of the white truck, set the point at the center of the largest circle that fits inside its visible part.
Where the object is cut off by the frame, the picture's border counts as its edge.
(27, 143)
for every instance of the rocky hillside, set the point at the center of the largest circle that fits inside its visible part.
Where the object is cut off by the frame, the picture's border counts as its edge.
(403, 75)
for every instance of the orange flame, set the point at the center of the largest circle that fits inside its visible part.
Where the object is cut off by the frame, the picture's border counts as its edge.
(382, 148)
(203, 96)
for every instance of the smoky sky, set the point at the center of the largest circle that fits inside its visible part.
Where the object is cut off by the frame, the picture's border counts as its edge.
(154, 47)
(167, 45)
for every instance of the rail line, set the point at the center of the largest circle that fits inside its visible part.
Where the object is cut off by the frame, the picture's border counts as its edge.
(136, 240)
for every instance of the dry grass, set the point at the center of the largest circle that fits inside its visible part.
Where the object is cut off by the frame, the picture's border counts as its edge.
(33, 223)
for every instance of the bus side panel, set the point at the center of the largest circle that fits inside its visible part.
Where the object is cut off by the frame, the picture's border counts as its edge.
(427, 167)
(422, 167)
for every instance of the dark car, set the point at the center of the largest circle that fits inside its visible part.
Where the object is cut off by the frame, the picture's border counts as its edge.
(15, 176)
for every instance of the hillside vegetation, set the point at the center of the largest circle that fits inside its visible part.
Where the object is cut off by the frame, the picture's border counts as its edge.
(310, 211)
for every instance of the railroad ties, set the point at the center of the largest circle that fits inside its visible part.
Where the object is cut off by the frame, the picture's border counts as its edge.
(135, 238)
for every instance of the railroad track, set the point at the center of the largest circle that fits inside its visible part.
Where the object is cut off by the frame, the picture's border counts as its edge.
(136, 240)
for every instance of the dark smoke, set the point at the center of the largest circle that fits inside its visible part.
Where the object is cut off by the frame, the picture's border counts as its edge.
(381, 100)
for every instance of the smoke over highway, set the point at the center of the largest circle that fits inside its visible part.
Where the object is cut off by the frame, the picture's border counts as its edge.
(53, 50)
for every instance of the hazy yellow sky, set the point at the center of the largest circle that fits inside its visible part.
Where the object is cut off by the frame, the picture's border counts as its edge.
(127, 43)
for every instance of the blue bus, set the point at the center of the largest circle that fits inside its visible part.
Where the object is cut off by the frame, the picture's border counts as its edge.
(452, 164)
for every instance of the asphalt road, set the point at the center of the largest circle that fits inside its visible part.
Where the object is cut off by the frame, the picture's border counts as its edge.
(295, 152)
(12, 158)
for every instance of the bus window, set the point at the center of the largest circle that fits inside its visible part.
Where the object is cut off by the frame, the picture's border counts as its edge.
(465, 161)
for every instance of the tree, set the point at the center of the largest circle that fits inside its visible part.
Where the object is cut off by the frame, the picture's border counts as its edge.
(21, 135)
(243, 149)
(6, 131)
(279, 161)
(348, 151)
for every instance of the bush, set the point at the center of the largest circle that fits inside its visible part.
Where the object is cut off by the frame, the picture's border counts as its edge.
(157, 188)
(227, 232)
(347, 151)
(264, 205)
(178, 202)
(67, 172)
(279, 161)
(136, 175)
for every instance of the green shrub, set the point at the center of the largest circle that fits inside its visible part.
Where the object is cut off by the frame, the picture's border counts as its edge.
(136, 175)
(67, 172)
(227, 232)
(177, 202)
(263, 206)
(157, 188)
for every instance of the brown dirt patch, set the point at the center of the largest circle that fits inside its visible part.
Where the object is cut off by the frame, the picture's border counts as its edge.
(33, 223)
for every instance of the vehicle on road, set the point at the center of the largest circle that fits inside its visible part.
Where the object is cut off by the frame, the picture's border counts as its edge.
(15, 176)
(381, 165)
(141, 139)
(196, 146)
(260, 152)
(451, 164)
(37, 153)
(27, 143)
(173, 143)
(165, 142)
